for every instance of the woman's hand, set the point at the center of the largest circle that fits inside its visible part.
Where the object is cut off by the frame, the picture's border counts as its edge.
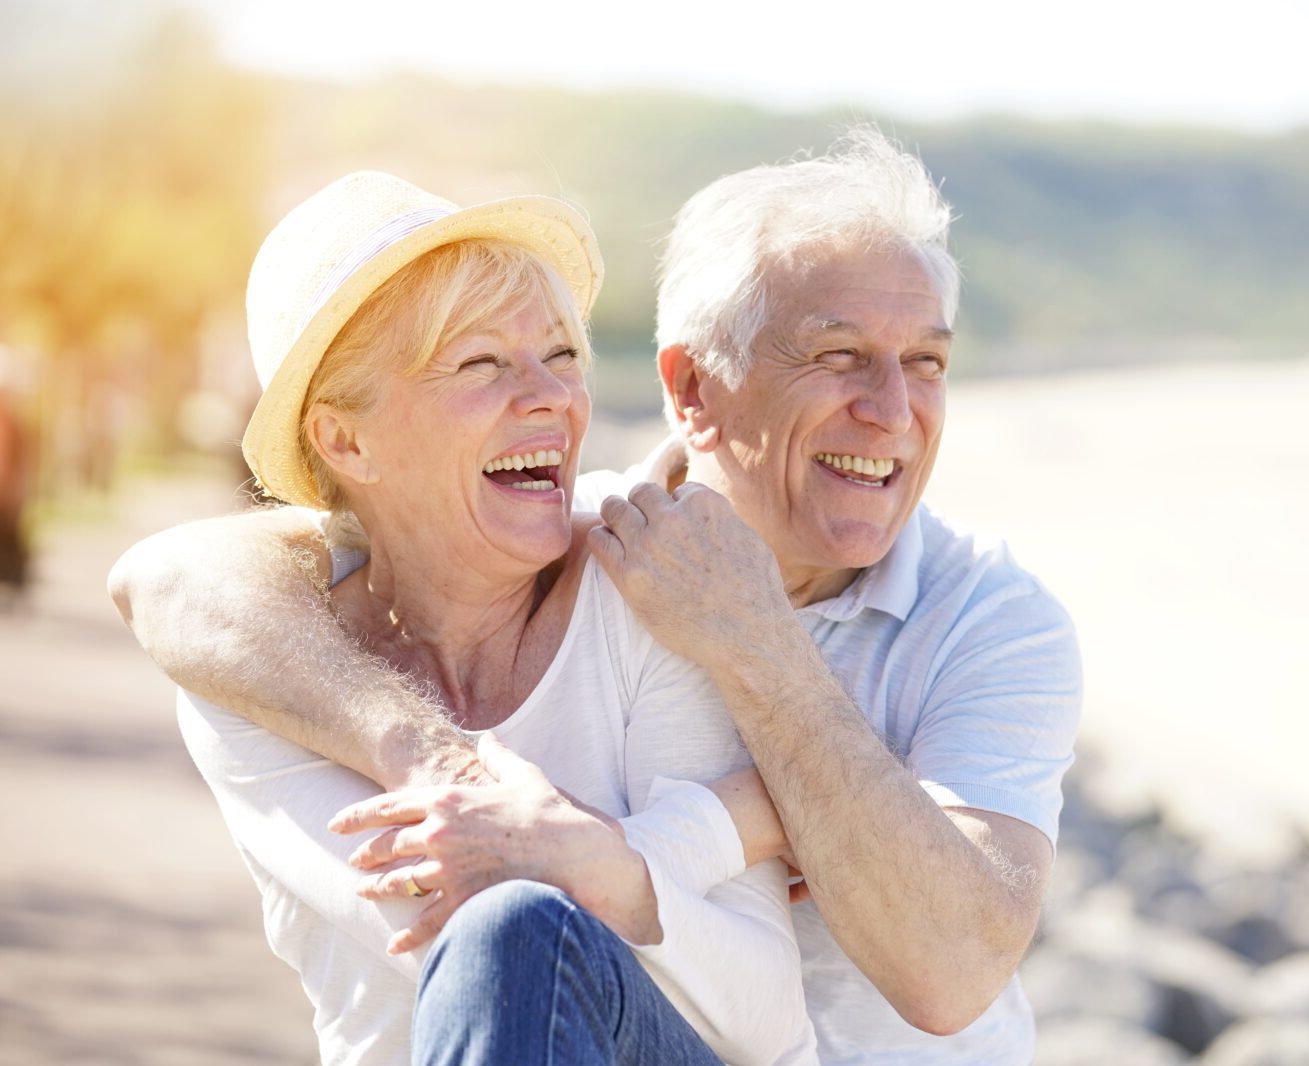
(467, 838)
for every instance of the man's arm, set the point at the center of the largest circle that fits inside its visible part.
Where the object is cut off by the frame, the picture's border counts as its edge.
(235, 610)
(935, 906)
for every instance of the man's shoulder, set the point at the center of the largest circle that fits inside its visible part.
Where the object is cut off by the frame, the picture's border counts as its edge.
(593, 486)
(961, 569)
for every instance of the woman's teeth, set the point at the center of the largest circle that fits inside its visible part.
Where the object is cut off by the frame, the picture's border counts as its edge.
(857, 464)
(526, 461)
(534, 486)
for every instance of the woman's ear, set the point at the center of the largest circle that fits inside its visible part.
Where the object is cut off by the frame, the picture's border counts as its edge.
(335, 436)
(687, 398)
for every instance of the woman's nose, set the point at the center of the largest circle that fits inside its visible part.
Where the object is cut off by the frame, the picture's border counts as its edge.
(540, 388)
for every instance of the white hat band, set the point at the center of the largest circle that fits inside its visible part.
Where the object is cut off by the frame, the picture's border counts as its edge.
(373, 245)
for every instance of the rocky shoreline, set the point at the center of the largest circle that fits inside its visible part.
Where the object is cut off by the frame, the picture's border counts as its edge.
(1158, 947)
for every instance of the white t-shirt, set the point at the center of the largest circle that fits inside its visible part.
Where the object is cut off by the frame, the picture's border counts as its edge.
(969, 670)
(614, 719)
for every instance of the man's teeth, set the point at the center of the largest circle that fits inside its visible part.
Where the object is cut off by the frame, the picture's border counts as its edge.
(857, 464)
(526, 461)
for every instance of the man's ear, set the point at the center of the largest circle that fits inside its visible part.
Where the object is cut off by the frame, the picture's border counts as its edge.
(335, 436)
(686, 397)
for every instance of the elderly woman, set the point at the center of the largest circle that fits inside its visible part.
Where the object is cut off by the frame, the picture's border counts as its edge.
(423, 372)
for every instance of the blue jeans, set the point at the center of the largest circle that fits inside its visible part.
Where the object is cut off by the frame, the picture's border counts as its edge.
(523, 976)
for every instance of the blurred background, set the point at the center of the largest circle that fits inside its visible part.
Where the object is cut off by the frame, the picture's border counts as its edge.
(1129, 391)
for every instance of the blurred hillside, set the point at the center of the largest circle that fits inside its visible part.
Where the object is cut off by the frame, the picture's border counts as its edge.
(138, 175)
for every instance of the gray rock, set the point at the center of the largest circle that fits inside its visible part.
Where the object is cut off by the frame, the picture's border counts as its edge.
(1261, 1042)
(1065, 984)
(1261, 938)
(1154, 862)
(1078, 870)
(1101, 1041)
(1282, 988)
(1258, 913)
(1204, 986)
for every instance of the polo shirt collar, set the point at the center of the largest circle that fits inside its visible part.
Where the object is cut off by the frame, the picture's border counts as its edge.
(890, 586)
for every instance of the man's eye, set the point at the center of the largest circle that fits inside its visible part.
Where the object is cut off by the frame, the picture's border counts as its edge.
(928, 363)
(839, 358)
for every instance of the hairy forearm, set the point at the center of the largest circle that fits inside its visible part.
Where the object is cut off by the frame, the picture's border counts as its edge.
(235, 610)
(917, 904)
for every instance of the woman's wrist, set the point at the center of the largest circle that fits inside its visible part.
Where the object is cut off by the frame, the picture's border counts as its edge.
(609, 878)
(746, 800)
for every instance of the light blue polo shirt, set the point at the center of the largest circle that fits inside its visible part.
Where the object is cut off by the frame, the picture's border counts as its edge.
(969, 670)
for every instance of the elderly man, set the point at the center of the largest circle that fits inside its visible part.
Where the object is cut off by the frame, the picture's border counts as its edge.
(909, 698)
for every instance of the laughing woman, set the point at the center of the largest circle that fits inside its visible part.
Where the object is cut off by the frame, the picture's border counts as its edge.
(423, 369)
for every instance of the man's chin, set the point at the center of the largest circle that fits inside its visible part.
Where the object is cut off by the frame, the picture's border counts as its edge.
(859, 545)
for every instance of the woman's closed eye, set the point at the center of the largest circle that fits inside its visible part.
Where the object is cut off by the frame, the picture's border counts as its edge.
(487, 361)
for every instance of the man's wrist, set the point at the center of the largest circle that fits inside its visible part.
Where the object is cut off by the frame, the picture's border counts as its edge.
(453, 766)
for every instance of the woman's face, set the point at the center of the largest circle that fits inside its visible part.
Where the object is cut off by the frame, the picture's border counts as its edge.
(475, 456)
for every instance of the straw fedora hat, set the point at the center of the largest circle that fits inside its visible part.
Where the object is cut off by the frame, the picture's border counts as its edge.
(326, 257)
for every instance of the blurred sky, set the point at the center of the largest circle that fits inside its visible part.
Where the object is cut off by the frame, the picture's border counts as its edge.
(1239, 65)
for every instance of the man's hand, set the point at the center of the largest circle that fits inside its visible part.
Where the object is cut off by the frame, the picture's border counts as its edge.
(701, 581)
(467, 838)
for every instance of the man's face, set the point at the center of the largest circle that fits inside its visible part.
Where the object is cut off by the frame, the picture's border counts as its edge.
(826, 448)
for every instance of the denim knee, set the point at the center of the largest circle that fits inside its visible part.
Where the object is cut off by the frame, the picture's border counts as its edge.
(506, 922)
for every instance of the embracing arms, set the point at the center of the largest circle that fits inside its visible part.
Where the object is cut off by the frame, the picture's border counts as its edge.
(235, 610)
(935, 904)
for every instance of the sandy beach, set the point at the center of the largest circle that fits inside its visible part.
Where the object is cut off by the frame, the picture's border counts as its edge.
(1168, 508)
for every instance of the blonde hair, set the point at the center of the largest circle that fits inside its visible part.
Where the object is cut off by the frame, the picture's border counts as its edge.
(447, 293)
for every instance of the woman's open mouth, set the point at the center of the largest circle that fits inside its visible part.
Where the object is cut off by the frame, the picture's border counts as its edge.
(530, 471)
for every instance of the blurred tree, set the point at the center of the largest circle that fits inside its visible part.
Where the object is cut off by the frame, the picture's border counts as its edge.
(131, 161)
(138, 172)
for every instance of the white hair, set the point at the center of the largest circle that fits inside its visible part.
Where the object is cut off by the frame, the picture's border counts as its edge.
(713, 276)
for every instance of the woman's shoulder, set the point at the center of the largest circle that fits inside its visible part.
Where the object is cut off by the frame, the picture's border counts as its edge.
(583, 523)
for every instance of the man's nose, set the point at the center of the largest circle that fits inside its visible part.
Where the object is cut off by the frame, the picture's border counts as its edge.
(882, 399)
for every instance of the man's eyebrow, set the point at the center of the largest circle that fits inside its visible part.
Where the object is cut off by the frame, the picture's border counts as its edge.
(838, 325)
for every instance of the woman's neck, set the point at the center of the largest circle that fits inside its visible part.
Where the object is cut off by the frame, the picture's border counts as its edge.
(484, 640)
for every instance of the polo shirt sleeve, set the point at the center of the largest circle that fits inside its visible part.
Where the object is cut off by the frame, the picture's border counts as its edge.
(1000, 712)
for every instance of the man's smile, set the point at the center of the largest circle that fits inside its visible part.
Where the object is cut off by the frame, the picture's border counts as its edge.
(858, 469)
